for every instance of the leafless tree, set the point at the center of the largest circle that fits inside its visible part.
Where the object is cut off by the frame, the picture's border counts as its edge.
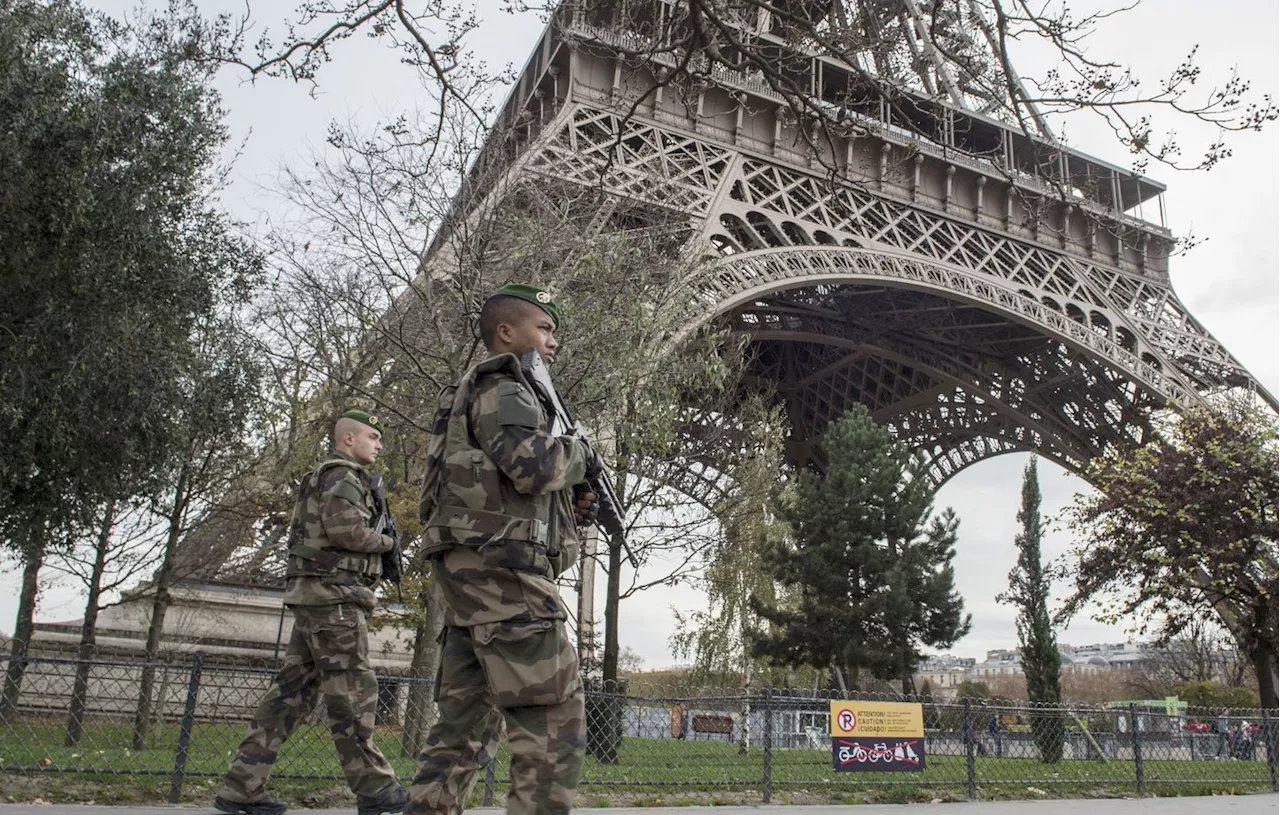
(1202, 652)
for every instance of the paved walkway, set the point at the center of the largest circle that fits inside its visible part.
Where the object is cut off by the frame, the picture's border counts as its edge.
(1224, 805)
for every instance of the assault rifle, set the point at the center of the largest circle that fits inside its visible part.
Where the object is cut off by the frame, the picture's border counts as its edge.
(385, 524)
(611, 519)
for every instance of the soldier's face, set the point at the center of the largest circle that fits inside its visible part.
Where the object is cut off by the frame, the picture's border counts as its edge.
(366, 445)
(534, 331)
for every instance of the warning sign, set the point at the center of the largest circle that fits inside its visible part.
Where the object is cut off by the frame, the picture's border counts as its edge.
(877, 736)
(877, 720)
(877, 755)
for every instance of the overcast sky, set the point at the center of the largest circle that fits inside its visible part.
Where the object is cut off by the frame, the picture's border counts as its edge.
(1229, 282)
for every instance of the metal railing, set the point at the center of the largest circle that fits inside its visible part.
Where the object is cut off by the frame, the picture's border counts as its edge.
(75, 725)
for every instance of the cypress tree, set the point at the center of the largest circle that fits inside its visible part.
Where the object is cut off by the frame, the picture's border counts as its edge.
(1038, 646)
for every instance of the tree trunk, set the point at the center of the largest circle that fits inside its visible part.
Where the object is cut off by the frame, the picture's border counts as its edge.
(908, 671)
(142, 717)
(612, 600)
(840, 683)
(604, 705)
(89, 630)
(159, 608)
(23, 629)
(1264, 665)
(420, 707)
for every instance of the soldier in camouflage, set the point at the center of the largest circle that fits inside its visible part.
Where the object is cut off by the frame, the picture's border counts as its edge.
(334, 563)
(500, 523)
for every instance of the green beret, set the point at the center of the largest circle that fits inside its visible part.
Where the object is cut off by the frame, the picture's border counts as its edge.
(539, 297)
(364, 418)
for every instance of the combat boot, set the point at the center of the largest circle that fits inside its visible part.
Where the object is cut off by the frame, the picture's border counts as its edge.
(391, 800)
(262, 806)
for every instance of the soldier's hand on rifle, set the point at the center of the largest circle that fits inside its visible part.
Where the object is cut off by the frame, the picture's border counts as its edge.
(595, 464)
(586, 505)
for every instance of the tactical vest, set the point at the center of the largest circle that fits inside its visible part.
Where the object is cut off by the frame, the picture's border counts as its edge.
(310, 553)
(463, 500)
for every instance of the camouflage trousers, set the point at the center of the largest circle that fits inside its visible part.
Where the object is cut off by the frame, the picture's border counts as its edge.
(328, 657)
(523, 674)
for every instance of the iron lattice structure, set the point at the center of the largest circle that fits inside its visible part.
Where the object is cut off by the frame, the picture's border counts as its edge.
(982, 289)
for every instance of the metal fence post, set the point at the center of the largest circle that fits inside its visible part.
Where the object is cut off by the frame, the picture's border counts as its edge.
(1137, 752)
(767, 793)
(1269, 721)
(184, 736)
(490, 777)
(971, 764)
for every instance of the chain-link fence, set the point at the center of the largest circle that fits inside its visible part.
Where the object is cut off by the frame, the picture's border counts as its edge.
(89, 730)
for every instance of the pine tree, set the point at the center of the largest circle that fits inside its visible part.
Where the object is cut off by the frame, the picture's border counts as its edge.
(1038, 647)
(868, 574)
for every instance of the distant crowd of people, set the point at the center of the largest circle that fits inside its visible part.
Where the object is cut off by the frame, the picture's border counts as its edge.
(1237, 741)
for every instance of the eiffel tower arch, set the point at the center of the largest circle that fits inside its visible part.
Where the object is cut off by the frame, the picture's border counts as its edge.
(983, 293)
(981, 288)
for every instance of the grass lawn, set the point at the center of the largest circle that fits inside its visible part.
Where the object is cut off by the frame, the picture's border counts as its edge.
(103, 768)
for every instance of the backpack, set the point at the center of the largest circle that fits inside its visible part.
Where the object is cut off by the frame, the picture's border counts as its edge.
(310, 482)
(429, 497)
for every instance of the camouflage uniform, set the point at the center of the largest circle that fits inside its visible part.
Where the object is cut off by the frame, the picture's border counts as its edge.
(499, 527)
(334, 562)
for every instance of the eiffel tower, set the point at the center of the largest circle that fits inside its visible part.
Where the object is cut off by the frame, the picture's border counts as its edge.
(982, 288)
